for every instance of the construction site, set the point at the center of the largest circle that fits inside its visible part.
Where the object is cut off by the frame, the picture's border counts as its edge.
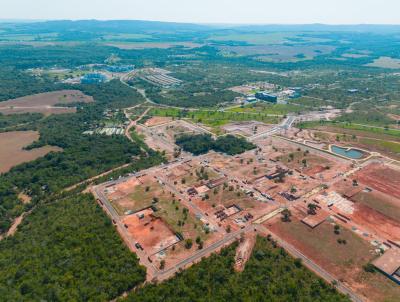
(341, 214)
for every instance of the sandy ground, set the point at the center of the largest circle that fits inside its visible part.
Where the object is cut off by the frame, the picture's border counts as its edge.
(46, 103)
(11, 152)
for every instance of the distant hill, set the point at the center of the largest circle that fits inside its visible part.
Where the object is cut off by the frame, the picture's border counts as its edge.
(113, 26)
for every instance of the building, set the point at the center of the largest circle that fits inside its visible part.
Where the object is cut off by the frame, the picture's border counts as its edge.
(93, 78)
(264, 96)
(389, 264)
(119, 68)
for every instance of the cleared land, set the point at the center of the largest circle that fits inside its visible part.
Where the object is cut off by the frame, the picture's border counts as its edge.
(46, 103)
(343, 260)
(379, 202)
(12, 153)
(381, 178)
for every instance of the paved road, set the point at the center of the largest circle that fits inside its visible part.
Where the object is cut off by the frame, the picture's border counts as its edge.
(285, 125)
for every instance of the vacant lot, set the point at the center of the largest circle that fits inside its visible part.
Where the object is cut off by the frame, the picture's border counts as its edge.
(12, 153)
(381, 178)
(46, 103)
(380, 202)
(345, 261)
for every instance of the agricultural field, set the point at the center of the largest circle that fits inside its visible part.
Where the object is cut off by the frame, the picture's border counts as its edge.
(46, 103)
(12, 151)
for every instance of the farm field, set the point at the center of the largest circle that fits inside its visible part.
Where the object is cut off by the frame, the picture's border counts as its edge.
(346, 261)
(46, 103)
(12, 153)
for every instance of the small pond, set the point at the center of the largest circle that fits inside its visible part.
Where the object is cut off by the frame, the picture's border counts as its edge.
(348, 152)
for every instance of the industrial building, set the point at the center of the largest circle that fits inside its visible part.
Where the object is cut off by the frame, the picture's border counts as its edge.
(264, 96)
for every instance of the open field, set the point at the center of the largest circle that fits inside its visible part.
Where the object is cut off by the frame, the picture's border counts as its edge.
(381, 178)
(145, 45)
(379, 140)
(261, 108)
(278, 53)
(379, 202)
(345, 261)
(358, 130)
(12, 153)
(385, 62)
(46, 103)
(136, 194)
(214, 118)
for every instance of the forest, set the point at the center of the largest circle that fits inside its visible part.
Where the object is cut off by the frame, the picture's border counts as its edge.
(202, 143)
(270, 275)
(82, 156)
(67, 251)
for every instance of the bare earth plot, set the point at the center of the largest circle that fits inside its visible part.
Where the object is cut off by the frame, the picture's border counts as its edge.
(46, 103)
(343, 260)
(11, 149)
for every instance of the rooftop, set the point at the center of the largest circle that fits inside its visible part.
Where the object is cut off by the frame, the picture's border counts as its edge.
(389, 262)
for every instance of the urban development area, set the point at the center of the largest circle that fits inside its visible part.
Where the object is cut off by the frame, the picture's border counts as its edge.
(217, 163)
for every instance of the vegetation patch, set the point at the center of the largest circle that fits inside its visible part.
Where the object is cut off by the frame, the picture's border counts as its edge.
(202, 143)
(67, 250)
(270, 274)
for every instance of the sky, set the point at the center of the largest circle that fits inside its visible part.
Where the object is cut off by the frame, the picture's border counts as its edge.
(210, 11)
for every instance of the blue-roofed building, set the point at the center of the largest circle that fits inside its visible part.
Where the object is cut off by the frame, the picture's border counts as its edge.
(93, 78)
(264, 96)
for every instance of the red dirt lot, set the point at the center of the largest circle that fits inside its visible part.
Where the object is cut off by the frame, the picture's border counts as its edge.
(381, 178)
(151, 232)
(46, 103)
(376, 222)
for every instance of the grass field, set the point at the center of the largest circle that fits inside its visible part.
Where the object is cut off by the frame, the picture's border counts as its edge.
(367, 129)
(384, 145)
(265, 108)
(214, 118)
